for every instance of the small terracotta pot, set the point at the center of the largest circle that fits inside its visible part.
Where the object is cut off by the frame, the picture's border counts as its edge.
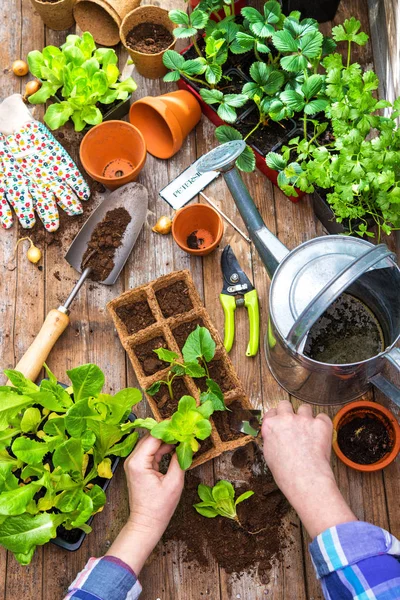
(103, 18)
(148, 65)
(55, 15)
(113, 153)
(195, 217)
(165, 121)
(361, 408)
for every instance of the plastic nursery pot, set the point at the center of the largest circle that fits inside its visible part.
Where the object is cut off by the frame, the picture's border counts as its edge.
(113, 153)
(103, 18)
(197, 218)
(362, 408)
(56, 15)
(165, 121)
(148, 65)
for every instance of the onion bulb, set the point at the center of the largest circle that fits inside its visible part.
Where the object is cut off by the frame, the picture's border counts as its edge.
(163, 225)
(33, 254)
(20, 68)
(32, 87)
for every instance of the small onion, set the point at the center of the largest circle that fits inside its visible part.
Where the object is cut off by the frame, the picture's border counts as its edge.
(20, 68)
(163, 225)
(32, 87)
(34, 253)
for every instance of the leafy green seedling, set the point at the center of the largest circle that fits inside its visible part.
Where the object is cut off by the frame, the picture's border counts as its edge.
(220, 501)
(227, 103)
(189, 25)
(177, 369)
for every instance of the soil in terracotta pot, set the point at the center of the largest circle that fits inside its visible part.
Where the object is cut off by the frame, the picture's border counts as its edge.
(223, 420)
(267, 137)
(102, 246)
(364, 440)
(135, 316)
(174, 299)
(219, 373)
(200, 239)
(182, 332)
(233, 548)
(148, 358)
(149, 38)
(167, 405)
(348, 332)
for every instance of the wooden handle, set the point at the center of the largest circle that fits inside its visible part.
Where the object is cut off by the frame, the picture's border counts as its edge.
(32, 361)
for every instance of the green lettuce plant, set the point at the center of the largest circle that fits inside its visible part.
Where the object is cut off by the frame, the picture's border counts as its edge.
(85, 77)
(198, 351)
(53, 443)
(220, 500)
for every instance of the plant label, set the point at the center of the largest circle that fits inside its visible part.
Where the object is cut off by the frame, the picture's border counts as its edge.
(186, 186)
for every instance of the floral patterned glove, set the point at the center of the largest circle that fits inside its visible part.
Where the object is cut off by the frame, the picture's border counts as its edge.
(36, 172)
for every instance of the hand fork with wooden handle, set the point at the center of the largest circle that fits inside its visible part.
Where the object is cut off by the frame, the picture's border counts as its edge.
(134, 198)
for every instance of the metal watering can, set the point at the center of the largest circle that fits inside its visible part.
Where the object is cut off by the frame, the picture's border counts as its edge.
(305, 282)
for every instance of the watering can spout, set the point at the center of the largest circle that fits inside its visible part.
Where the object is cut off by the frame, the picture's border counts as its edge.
(222, 159)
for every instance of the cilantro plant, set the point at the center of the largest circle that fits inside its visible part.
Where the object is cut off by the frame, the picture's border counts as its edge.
(54, 443)
(85, 77)
(220, 500)
(198, 351)
(187, 425)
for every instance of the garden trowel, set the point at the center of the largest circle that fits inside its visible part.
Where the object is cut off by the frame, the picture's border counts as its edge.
(246, 421)
(134, 198)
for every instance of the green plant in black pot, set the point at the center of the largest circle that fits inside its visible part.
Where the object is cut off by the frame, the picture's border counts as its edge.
(83, 78)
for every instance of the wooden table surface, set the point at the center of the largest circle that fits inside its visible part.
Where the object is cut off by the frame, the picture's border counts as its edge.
(28, 293)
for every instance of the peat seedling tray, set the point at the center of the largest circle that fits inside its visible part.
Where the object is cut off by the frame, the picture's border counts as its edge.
(159, 328)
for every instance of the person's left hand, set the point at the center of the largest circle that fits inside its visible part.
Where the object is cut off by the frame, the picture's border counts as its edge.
(153, 498)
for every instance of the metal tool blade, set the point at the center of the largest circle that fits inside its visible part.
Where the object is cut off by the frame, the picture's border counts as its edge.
(246, 421)
(235, 279)
(134, 198)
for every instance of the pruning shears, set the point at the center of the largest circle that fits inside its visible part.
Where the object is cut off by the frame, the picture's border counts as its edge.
(238, 291)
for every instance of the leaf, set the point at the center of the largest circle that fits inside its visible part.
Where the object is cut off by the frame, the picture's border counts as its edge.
(293, 99)
(87, 380)
(46, 91)
(88, 440)
(194, 67)
(166, 355)
(154, 388)
(57, 115)
(30, 420)
(104, 468)
(223, 490)
(284, 42)
(15, 502)
(164, 431)
(243, 497)
(68, 501)
(199, 344)
(247, 160)
(29, 451)
(184, 453)
(125, 447)
(179, 17)
(205, 511)
(202, 429)
(23, 533)
(24, 385)
(55, 426)
(69, 456)
(79, 416)
(186, 404)
(211, 96)
(226, 113)
(312, 86)
(205, 493)
(213, 74)
(349, 32)
(224, 133)
(311, 44)
(315, 106)
(294, 63)
(194, 370)
(147, 423)
(206, 407)
(173, 60)
(198, 19)
(98, 498)
(84, 510)
(35, 63)
(275, 161)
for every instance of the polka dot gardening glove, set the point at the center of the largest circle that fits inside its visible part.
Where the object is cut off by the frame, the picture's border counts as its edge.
(39, 173)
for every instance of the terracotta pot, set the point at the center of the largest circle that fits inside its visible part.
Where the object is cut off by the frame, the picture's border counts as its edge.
(103, 18)
(55, 15)
(148, 65)
(165, 121)
(113, 153)
(195, 217)
(361, 408)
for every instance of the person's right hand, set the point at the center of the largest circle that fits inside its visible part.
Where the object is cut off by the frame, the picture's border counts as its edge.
(297, 449)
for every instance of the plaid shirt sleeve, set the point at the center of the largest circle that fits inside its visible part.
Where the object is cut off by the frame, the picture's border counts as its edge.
(105, 578)
(357, 561)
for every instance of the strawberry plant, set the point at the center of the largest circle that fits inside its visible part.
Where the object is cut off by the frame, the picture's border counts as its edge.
(54, 443)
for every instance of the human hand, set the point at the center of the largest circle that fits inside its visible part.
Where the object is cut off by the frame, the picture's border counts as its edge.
(153, 498)
(297, 449)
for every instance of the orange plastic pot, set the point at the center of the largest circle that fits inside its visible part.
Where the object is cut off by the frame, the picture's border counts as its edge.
(193, 218)
(113, 153)
(165, 121)
(361, 408)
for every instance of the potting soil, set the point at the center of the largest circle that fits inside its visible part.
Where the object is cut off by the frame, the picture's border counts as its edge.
(149, 38)
(199, 239)
(182, 332)
(364, 440)
(148, 358)
(106, 238)
(174, 299)
(234, 548)
(136, 316)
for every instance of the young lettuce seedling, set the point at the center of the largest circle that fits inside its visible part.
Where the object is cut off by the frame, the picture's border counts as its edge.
(220, 500)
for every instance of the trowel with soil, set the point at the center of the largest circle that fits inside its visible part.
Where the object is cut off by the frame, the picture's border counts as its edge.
(99, 251)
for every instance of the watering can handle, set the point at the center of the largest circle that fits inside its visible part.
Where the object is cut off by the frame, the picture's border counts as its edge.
(332, 290)
(384, 385)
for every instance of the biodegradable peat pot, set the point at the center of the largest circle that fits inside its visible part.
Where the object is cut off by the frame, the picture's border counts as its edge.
(148, 65)
(113, 153)
(364, 410)
(197, 221)
(165, 121)
(103, 18)
(56, 15)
